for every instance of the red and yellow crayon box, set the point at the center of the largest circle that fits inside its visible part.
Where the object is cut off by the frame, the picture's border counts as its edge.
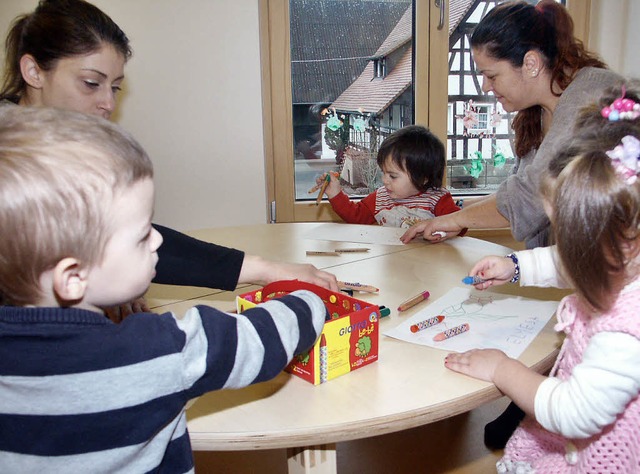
(348, 341)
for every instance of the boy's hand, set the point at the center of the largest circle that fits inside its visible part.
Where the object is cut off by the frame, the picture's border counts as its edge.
(303, 272)
(258, 270)
(478, 363)
(495, 270)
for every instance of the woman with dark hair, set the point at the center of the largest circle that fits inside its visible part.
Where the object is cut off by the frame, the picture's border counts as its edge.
(530, 60)
(69, 54)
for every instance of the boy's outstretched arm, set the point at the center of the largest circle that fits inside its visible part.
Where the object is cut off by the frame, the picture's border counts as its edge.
(223, 350)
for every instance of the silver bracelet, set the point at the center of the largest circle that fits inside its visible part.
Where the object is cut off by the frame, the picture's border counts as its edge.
(516, 273)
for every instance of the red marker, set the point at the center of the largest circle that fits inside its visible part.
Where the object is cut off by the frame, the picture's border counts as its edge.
(441, 336)
(427, 323)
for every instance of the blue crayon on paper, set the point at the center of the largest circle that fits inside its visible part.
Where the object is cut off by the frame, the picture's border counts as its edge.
(473, 280)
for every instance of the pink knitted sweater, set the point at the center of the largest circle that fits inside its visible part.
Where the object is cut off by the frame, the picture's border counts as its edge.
(617, 447)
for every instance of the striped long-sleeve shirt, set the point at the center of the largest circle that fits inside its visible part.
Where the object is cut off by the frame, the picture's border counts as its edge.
(81, 394)
(378, 207)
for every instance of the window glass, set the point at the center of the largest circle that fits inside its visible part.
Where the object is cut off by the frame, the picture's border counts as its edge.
(352, 85)
(479, 135)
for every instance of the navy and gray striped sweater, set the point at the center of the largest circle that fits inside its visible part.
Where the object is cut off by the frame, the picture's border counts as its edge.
(81, 394)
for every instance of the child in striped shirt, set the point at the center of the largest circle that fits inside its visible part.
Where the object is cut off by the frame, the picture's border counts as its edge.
(80, 393)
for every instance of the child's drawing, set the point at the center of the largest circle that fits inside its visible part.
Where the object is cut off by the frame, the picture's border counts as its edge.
(475, 308)
(502, 322)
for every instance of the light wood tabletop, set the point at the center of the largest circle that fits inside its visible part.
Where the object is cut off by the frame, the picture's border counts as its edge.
(407, 387)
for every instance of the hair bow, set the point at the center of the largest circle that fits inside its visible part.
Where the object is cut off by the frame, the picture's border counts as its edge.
(625, 159)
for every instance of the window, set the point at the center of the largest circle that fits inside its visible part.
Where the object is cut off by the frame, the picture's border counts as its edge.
(479, 144)
(379, 68)
(326, 63)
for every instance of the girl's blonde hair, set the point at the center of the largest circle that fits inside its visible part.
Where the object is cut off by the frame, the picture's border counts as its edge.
(59, 171)
(595, 212)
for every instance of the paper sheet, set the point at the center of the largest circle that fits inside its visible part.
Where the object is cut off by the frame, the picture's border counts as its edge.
(375, 234)
(364, 234)
(508, 323)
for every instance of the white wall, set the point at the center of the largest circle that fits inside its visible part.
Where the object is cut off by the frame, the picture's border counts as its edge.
(192, 97)
(614, 34)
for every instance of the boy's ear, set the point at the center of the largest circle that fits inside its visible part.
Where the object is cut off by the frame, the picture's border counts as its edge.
(69, 281)
(30, 70)
(532, 63)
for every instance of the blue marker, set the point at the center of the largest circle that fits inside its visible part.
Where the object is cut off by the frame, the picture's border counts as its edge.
(473, 280)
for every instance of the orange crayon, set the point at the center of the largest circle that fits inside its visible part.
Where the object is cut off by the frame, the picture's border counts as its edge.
(427, 323)
(441, 336)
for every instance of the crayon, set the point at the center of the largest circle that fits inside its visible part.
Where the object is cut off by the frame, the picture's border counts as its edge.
(322, 253)
(440, 233)
(473, 280)
(314, 189)
(411, 302)
(441, 336)
(427, 323)
(384, 311)
(353, 250)
(324, 367)
(327, 180)
(343, 285)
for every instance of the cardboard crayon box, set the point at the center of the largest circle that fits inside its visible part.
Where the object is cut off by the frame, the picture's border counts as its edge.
(348, 341)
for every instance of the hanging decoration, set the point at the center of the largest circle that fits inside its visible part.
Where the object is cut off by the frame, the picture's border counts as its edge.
(333, 122)
(476, 168)
(469, 118)
(359, 124)
(498, 158)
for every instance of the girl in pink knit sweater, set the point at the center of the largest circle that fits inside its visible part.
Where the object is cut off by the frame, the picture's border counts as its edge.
(585, 416)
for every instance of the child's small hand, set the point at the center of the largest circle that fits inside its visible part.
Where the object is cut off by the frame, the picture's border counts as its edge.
(478, 363)
(333, 188)
(494, 270)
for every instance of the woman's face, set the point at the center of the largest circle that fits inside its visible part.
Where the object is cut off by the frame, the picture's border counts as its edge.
(508, 83)
(86, 84)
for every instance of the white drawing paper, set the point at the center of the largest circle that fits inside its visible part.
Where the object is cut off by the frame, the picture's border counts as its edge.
(508, 323)
(364, 234)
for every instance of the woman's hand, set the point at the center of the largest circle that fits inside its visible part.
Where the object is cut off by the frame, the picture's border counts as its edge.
(437, 229)
(118, 313)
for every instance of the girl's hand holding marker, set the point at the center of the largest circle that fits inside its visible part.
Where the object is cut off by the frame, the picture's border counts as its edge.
(493, 271)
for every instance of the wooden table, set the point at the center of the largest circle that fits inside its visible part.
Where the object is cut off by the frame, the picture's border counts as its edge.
(408, 386)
